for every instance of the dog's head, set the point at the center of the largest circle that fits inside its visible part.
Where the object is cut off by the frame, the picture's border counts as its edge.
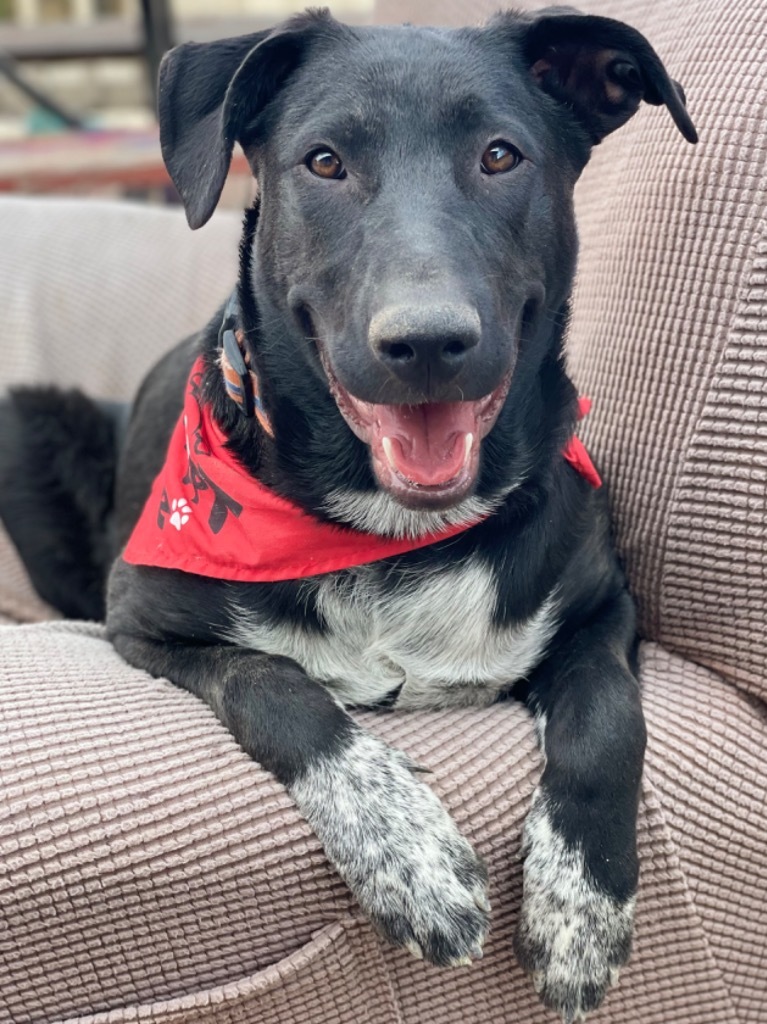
(416, 236)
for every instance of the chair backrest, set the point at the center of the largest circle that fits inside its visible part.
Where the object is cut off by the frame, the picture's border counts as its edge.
(669, 334)
(92, 293)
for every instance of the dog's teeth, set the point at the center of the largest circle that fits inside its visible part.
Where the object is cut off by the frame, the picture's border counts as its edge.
(388, 451)
(465, 961)
(413, 947)
(468, 443)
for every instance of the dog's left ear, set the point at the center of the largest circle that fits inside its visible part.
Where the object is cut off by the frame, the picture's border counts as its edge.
(601, 68)
(209, 94)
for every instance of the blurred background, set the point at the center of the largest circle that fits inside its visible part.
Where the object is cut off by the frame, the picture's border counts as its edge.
(77, 82)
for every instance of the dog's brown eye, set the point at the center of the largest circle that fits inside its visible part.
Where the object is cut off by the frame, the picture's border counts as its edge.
(325, 164)
(500, 157)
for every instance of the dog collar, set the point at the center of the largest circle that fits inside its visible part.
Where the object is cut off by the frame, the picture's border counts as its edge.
(240, 379)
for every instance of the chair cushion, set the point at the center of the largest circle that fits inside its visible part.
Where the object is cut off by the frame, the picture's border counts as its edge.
(92, 293)
(152, 871)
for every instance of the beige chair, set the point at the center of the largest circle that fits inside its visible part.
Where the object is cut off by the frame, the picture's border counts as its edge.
(150, 871)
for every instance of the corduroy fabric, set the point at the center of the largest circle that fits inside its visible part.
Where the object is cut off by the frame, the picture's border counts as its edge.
(151, 871)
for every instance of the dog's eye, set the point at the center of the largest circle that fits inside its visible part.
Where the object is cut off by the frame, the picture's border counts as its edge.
(500, 157)
(324, 163)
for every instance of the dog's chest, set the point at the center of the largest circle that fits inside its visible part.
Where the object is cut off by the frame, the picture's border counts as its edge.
(429, 638)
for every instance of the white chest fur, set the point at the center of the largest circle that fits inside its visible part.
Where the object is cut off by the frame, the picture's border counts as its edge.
(431, 634)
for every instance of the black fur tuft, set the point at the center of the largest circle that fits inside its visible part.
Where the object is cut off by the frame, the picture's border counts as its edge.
(57, 474)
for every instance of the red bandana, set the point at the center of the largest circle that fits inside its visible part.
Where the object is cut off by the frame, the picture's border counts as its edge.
(207, 515)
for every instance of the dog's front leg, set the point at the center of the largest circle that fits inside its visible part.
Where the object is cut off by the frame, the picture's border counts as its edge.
(387, 834)
(581, 868)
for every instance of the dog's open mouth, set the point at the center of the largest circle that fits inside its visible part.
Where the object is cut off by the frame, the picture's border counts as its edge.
(427, 455)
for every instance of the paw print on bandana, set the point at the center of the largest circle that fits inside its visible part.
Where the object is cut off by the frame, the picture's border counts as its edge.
(180, 512)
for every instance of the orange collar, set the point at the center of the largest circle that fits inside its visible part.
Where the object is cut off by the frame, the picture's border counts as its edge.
(240, 379)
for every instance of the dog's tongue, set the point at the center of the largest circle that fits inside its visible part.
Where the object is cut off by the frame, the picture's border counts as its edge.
(426, 444)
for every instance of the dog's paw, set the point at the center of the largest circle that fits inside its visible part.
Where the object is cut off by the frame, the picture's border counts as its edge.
(571, 937)
(412, 872)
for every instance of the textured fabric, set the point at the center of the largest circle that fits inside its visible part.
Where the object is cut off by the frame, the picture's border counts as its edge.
(91, 294)
(151, 871)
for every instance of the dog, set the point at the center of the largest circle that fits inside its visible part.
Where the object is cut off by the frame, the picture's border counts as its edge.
(358, 486)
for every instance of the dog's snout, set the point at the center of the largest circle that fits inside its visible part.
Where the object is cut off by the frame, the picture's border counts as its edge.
(426, 344)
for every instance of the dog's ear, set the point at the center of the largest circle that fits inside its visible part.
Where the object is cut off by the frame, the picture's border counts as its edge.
(601, 68)
(210, 92)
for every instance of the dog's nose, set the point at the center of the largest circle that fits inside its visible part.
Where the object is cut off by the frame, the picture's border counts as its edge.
(424, 345)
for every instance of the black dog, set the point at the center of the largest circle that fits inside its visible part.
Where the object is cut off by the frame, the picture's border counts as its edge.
(393, 363)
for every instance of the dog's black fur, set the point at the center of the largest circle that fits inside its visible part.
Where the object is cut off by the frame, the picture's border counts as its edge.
(57, 468)
(478, 269)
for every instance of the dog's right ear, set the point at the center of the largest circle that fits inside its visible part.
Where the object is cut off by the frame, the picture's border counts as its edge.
(210, 92)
